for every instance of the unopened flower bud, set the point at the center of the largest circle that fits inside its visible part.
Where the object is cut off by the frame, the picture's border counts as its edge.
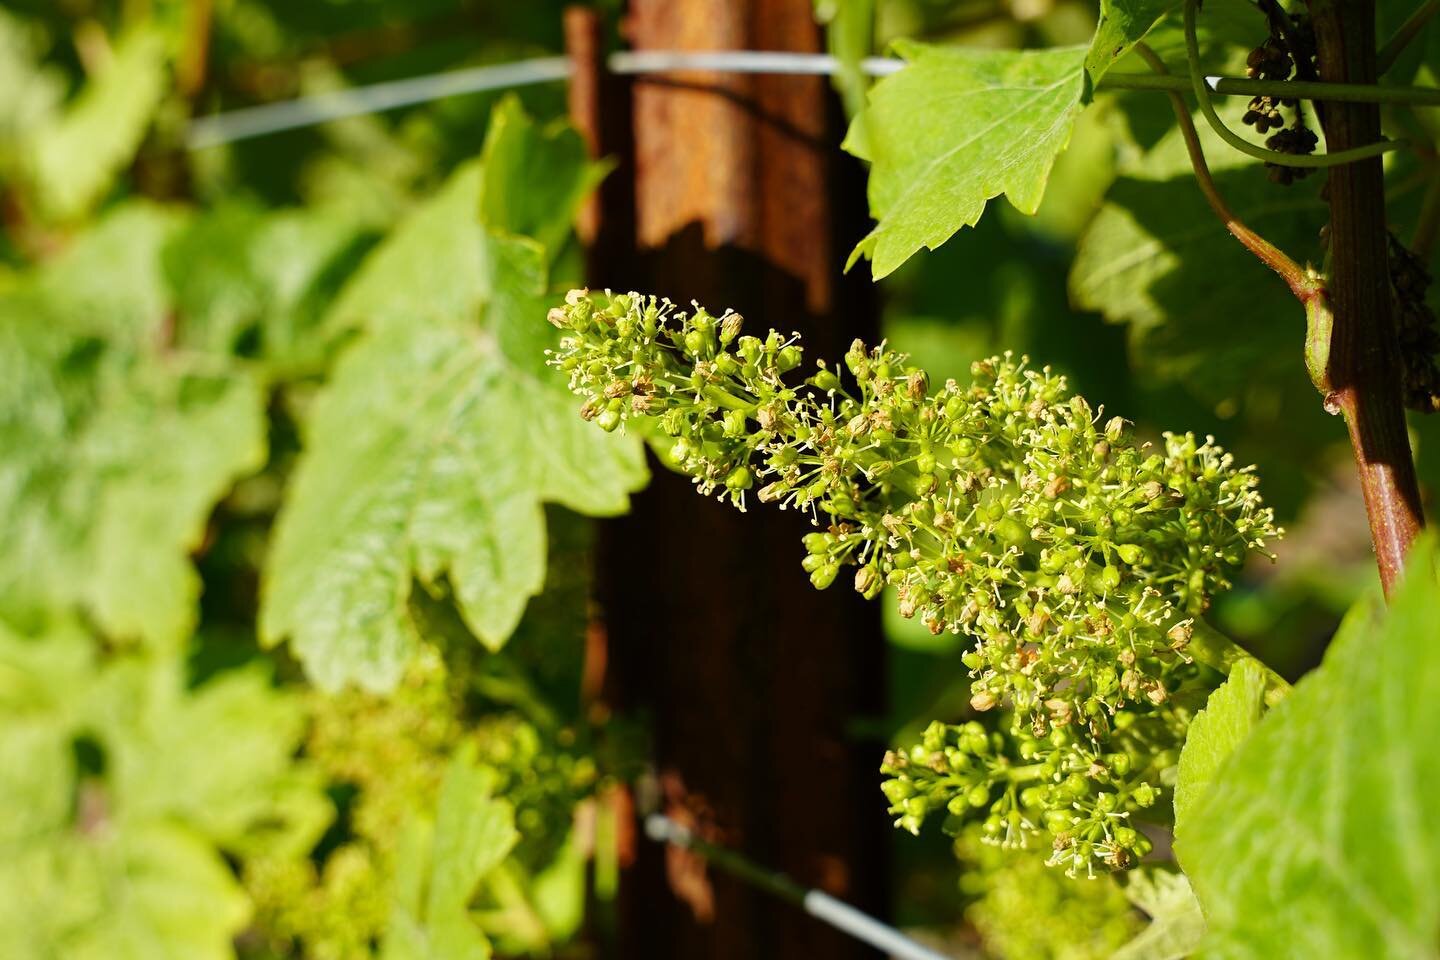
(825, 575)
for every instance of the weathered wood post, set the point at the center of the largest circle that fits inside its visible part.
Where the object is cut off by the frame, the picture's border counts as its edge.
(732, 191)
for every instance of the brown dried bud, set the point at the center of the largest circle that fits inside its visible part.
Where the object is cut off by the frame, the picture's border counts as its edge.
(1180, 635)
(730, 327)
(982, 701)
(907, 606)
(1056, 486)
(917, 385)
(1061, 711)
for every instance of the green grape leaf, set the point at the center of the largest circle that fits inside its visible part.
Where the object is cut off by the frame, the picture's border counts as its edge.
(435, 267)
(219, 757)
(74, 159)
(442, 862)
(1230, 714)
(1316, 840)
(187, 439)
(558, 892)
(955, 128)
(261, 281)
(119, 449)
(425, 272)
(30, 90)
(535, 177)
(1123, 23)
(120, 857)
(110, 283)
(163, 894)
(1176, 924)
(1135, 264)
(435, 446)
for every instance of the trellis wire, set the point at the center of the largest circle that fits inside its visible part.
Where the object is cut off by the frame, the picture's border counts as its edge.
(249, 122)
(309, 111)
(819, 904)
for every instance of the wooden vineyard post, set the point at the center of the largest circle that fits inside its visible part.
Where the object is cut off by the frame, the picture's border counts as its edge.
(732, 191)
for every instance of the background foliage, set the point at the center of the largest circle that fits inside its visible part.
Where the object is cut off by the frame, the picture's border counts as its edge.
(295, 579)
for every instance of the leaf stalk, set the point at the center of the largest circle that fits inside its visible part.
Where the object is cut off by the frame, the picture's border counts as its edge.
(1302, 282)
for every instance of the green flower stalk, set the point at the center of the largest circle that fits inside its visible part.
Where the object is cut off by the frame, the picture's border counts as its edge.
(1077, 557)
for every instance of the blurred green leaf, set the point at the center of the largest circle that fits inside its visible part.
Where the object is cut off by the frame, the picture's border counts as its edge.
(441, 863)
(955, 128)
(30, 92)
(120, 448)
(1316, 838)
(850, 38)
(436, 443)
(259, 282)
(110, 282)
(75, 158)
(119, 857)
(535, 177)
(1176, 924)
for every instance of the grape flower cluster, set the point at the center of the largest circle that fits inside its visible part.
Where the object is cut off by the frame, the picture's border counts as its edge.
(1077, 557)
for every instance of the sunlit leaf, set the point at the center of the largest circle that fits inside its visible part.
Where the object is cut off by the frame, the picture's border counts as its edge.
(955, 128)
(1316, 838)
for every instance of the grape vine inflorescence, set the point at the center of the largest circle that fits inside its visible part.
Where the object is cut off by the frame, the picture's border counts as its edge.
(1077, 557)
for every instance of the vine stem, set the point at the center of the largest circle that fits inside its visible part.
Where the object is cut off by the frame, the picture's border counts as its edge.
(1372, 148)
(1361, 360)
(1301, 282)
(1407, 31)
